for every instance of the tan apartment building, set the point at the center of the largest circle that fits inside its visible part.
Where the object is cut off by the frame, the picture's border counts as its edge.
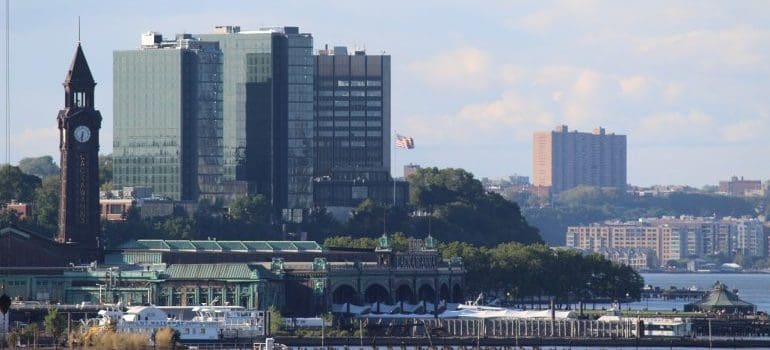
(563, 160)
(664, 240)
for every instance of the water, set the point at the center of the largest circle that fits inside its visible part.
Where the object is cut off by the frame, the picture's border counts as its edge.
(754, 288)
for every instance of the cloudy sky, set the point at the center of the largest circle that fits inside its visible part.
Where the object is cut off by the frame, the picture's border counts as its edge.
(687, 81)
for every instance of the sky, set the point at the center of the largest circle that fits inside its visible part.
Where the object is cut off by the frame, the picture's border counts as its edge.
(686, 81)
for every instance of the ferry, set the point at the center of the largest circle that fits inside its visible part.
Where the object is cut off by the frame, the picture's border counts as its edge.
(210, 323)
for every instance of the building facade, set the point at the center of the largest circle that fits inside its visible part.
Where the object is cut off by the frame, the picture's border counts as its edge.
(563, 160)
(232, 110)
(168, 117)
(299, 277)
(352, 113)
(741, 187)
(674, 238)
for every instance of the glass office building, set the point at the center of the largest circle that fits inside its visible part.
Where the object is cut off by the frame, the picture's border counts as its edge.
(259, 136)
(168, 117)
(268, 130)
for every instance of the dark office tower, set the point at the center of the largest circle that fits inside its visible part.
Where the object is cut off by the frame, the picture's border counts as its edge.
(168, 117)
(352, 110)
(267, 108)
(79, 125)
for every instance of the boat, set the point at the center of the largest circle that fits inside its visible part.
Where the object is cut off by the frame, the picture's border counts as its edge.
(210, 323)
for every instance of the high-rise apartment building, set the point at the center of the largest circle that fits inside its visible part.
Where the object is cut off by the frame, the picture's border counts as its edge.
(563, 160)
(167, 102)
(352, 111)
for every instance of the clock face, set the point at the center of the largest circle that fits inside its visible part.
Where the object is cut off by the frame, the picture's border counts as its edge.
(82, 134)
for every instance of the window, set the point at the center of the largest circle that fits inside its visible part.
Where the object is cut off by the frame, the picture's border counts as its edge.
(80, 99)
(374, 93)
(358, 83)
(373, 83)
(343, 83)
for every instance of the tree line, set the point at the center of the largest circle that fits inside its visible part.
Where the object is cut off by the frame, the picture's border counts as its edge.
(522, 273)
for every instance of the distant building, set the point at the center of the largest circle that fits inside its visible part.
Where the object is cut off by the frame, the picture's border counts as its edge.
(352, 113)
(665, 241)
(23, 210)
(674, 238)
(741, 187)
(563, 160)
(638, 259)
(410, 169)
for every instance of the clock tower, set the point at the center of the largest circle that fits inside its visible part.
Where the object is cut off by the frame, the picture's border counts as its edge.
(79, 125)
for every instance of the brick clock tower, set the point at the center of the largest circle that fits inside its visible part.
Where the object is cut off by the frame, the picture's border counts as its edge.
(79, 125)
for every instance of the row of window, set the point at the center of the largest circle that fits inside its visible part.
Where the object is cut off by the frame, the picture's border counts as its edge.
(345, 133)
(358, 83)
(347, 103)
(345, 93)
(347, 113)
(353, 123)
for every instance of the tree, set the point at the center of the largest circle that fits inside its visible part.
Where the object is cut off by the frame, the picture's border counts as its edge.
(252, 209)
(16, 185)
(9, 218)
(41, 167)
(46, 203)
(54, 325)
(105, 171)
(276, 320)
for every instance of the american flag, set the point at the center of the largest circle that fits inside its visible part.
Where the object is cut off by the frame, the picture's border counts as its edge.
(404, 141)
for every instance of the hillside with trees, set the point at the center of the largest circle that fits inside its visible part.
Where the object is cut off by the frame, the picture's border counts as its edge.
(584, 205)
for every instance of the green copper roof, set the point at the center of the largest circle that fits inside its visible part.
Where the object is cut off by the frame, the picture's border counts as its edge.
(216, 271)
(222, 246)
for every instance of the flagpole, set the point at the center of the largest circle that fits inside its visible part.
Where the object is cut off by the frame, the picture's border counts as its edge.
(394, 164)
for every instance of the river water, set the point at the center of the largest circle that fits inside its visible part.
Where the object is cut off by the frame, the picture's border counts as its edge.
(754, 288)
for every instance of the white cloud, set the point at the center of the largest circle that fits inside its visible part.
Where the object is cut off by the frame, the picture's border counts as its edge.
(737, 47)
(744, 130)
(510, 117)
(35, 142)
(634, 85)
(463, 67)
(676, 127)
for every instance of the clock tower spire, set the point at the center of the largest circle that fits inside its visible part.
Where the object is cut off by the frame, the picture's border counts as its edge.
(79, 124)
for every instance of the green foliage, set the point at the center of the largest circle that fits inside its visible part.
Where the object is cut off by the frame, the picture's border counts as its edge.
(398, 242)
(55, 325)
(41, 167)
(276, 320)
(350, 242)
(367, 219)
(521, 271)
(460, 210)
(105, 170)
(320, 224)
(252, 209)
(16, 185)
(9, 218)
(46, 203)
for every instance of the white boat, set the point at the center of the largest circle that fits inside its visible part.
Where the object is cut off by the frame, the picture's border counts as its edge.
(209, 323)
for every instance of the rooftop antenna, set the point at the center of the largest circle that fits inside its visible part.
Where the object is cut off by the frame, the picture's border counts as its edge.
(78, 29)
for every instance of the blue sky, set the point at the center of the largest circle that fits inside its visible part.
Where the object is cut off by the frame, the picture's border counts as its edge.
(687, 81)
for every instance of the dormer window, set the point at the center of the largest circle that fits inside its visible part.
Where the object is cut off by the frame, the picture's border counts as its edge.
(79, 99)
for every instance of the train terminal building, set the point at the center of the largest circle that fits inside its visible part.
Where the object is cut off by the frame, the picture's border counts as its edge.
(299, 277)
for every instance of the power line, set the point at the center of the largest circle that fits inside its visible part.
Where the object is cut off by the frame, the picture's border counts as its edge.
(8, 81)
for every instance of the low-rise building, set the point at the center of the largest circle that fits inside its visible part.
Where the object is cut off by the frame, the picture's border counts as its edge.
(741, 187)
